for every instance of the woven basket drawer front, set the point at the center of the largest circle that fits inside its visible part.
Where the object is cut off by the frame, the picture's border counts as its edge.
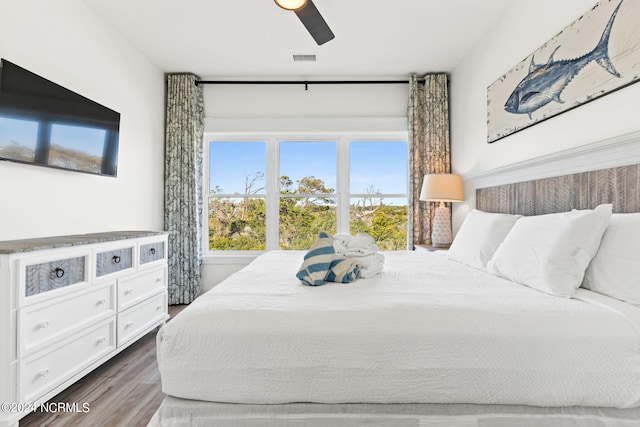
(113, 261)
(151, 252)
(48, 276)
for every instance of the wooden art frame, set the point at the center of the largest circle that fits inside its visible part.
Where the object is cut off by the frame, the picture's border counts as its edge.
(595, 55)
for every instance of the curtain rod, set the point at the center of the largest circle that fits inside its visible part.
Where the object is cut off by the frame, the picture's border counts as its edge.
(306, 83)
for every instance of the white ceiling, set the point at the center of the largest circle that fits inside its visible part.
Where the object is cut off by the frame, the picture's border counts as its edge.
(255, 38)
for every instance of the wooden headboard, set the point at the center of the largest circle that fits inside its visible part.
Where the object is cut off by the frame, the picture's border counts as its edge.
(619, 186)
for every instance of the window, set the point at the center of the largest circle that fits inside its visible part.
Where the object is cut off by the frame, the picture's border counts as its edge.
(378, 191)
(237, 196)
(278, 192)
(307, 196)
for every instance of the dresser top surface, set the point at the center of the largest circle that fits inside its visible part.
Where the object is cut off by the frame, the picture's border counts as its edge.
(37, 244)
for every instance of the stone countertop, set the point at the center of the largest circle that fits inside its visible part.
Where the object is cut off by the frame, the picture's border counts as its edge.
(28, 245)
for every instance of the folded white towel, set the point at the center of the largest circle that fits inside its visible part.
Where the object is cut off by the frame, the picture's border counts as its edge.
(371, 261)
(366, 273)
(342, 239)
(341, 243)
(350, 246)
(361, 240)
(360, 252)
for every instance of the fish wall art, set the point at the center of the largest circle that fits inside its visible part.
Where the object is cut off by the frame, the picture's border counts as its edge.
(595, 55)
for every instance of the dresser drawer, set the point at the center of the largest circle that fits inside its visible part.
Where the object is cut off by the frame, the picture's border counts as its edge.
(142, 317)
(114, 261)
(134, 289)
(152, 252)
(44, 371)
(51, 275)
(47, 322)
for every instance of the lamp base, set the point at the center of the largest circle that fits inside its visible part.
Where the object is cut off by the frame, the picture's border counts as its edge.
(441, 227)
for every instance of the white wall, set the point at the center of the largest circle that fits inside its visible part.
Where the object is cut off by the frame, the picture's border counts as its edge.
(524, 28)
(64, 41)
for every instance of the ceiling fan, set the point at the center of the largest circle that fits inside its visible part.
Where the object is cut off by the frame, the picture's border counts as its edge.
(310, 17)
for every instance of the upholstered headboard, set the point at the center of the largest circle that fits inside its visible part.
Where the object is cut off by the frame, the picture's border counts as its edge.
(619, 186)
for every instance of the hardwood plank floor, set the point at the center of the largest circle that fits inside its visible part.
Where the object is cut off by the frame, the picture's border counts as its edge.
(125, 391)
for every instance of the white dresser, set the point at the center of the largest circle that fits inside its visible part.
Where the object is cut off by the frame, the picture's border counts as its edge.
(70, 303)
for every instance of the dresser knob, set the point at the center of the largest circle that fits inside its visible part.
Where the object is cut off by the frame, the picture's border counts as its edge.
(102, 340)
(116, 259)
(45, 324)
(44, 373)
(128, 292)
(102, 301)
(128, 325)
(159, 279)
(58, 272)
(153, 251)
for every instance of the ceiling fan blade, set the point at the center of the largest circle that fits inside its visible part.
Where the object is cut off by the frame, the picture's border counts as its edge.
(315, 23)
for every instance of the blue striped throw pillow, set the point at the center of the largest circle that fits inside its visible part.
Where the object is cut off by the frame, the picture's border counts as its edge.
(317, 262)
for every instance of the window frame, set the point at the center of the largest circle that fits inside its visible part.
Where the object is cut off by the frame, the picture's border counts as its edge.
(272, 175)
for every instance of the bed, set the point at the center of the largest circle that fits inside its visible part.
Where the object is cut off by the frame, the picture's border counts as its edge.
(430, 341)
(427, 330)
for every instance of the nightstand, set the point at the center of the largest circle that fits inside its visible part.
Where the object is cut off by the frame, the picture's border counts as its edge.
(429, 248)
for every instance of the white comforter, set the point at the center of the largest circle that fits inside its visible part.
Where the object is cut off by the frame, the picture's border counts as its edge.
(426, 330)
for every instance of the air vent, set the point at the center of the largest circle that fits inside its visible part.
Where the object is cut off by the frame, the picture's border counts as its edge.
(304, 58)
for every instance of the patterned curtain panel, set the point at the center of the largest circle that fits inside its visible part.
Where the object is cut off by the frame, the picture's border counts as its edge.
(183, 185)
(429, 148)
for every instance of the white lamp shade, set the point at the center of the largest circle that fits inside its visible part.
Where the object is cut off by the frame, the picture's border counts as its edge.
(442, 187)
(291, 4)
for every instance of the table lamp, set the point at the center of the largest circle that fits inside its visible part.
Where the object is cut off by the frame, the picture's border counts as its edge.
(441, 187)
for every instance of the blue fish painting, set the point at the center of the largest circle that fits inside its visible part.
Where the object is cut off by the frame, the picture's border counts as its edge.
(545, 82)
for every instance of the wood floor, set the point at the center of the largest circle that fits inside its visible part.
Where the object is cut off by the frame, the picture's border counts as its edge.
(125, 391)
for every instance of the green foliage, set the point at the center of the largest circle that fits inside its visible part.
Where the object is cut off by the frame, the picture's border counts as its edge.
(240, 224)
(237, 225)
(301, 219)
(385, 223)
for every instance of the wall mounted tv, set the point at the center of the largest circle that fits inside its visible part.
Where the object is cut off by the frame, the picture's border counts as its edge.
(45, 124)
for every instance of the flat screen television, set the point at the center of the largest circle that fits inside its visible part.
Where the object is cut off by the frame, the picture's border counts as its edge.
(45, 124)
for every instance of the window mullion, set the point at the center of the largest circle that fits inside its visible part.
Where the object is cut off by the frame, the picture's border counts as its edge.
(273, 193)
(343, 214)
(206, 193)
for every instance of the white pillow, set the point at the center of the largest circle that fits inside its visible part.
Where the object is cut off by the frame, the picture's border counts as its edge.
(479, 237)
(551, 252)
(615, 270)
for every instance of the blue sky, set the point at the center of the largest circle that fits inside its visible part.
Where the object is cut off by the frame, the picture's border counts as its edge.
(382, 165)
